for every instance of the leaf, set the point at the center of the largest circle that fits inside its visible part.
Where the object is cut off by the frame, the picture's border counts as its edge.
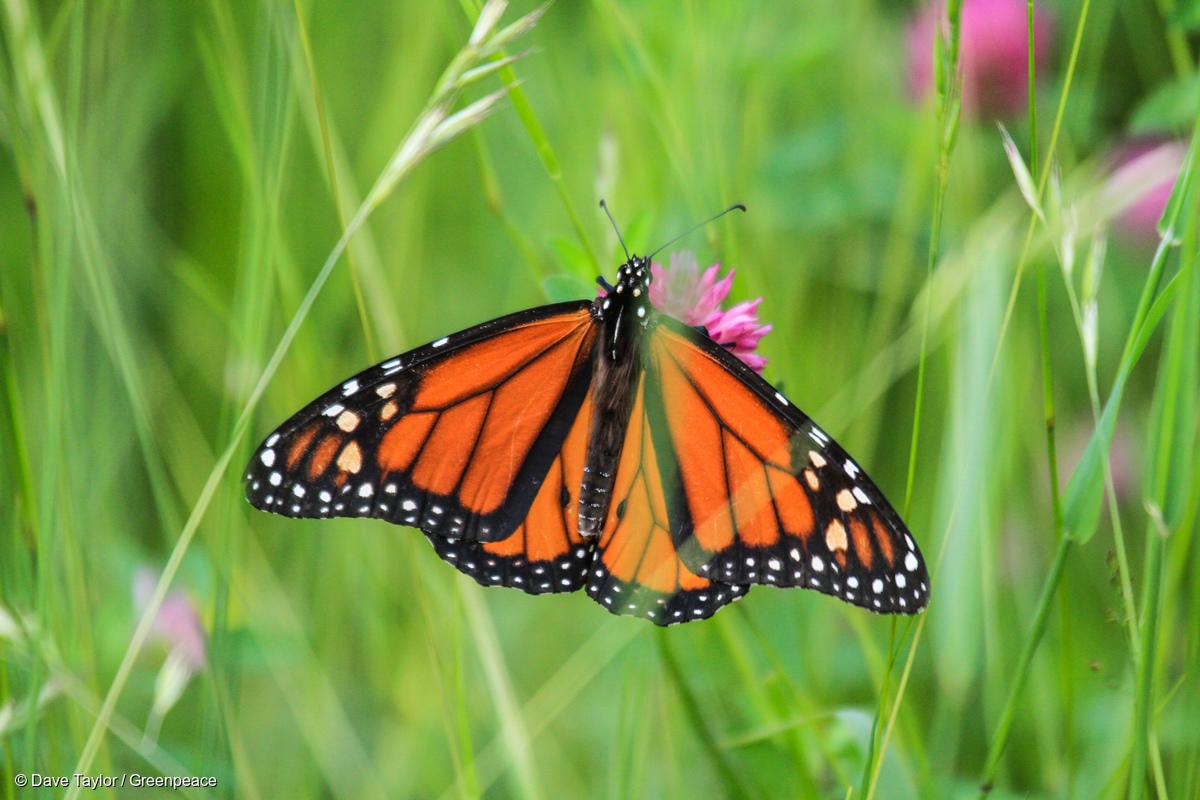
(562, 287)
(1085, 489)
(1170, 451)
(1185, 15)
(572, 259)
(1168, 109)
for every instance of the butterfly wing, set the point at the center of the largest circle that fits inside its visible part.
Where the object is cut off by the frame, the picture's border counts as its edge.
(458, 437)
(545, 553)
(766, 496)
(639, 571)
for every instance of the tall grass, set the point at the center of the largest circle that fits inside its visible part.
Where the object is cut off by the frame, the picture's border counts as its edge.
(209, 213)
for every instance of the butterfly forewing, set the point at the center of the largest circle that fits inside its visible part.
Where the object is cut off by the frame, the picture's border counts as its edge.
(454, 438)
(770, 497)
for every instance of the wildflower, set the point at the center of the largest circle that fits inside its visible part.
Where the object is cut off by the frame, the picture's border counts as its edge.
(993, 53)
(177, 625)
(1141, 184)
(682, 292)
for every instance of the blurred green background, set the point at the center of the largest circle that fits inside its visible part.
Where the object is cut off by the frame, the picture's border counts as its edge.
(173, 177)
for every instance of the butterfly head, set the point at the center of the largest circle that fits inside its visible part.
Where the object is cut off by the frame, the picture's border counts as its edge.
(624, 309)
(631, 292)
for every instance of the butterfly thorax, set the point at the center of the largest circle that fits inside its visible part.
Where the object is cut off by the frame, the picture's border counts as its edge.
(624, 314)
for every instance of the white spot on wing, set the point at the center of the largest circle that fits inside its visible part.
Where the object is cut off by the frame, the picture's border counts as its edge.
(441, 342)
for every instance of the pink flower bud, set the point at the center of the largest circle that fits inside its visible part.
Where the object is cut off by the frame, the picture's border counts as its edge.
(993, 53)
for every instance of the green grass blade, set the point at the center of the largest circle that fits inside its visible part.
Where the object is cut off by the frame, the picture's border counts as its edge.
(1169, 479)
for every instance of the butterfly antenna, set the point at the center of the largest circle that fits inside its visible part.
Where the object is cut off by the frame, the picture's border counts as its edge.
(713, 218)
(616, 230)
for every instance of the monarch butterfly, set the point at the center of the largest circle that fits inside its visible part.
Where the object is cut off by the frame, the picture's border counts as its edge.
(597, 444)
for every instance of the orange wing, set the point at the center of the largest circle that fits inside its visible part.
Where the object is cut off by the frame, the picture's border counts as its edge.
(545, 553)
(765, 496)
(639, 571)
(456, 437)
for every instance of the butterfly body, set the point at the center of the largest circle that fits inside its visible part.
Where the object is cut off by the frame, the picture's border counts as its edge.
(599, 445)
(623, 315)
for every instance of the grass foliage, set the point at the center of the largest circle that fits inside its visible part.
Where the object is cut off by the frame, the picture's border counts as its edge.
(211, 212)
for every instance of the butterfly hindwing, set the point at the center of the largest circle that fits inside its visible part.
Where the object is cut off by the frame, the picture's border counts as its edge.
(770, 498)
(454, 437)
(639, 571)
(545, 553)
